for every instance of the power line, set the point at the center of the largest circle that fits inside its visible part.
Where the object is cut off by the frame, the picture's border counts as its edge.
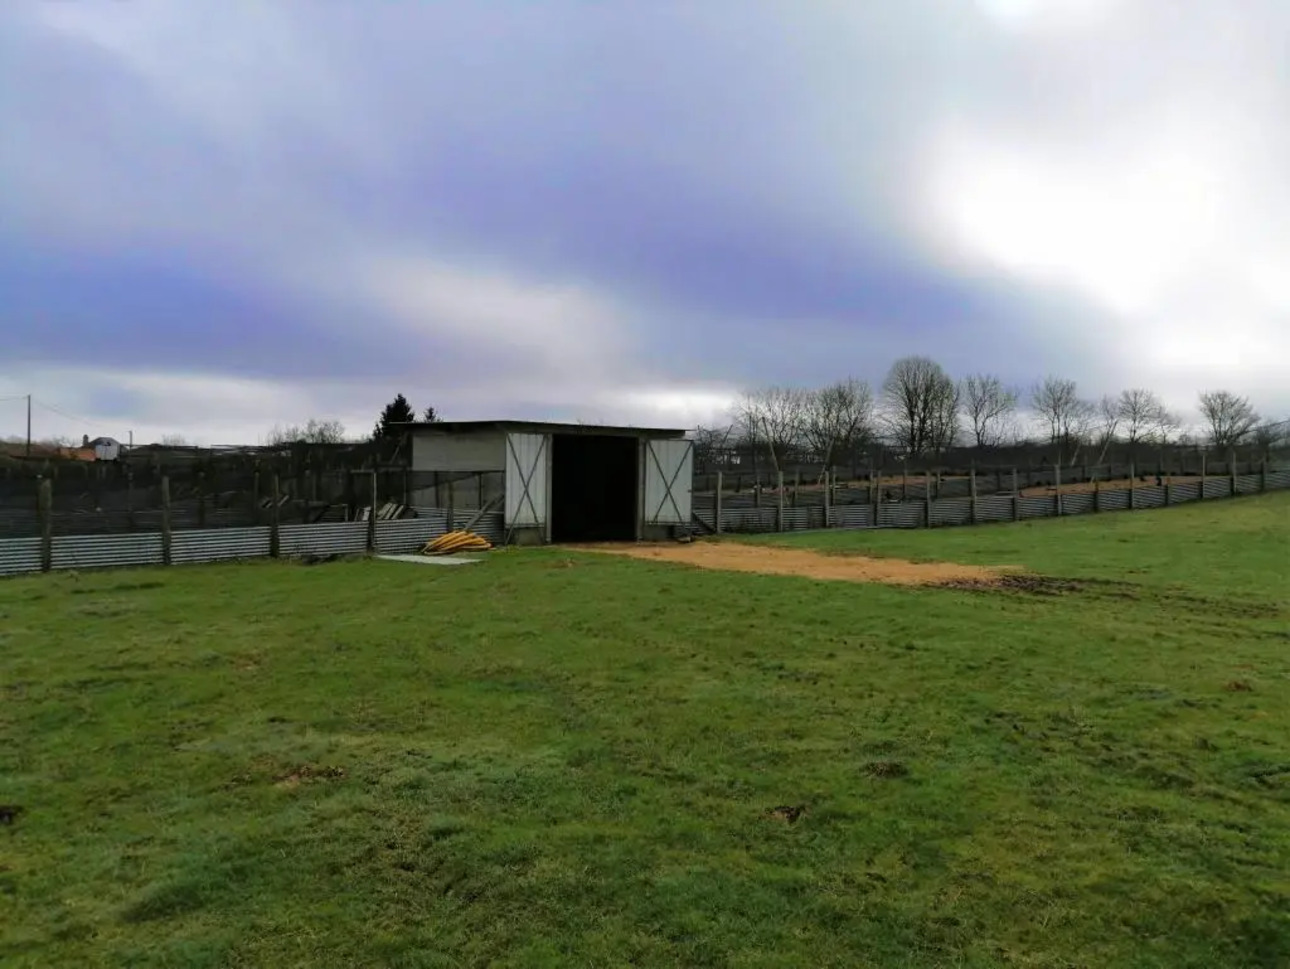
(61, 413)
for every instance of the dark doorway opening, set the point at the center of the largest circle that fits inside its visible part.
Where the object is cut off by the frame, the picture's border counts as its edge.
(594, 488)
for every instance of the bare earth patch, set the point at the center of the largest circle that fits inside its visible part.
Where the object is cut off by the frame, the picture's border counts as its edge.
(769, 560)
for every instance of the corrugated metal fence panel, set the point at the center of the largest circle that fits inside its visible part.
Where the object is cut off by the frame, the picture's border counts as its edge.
(797, 519)
(492, 527)
(1043, 507)
(1077, 504)
(1279, 479)
(216, 544)
(952, 511)
(851, 516)
(1218, 487)
(439, 516)
(1184, 491)
(1247, 484)
(407, 535)
(1151, 496)
(339, 538)
(1116, 500)
(903, 514)
(994, 509)
(19, 555)
(748, 519)
(103, 551)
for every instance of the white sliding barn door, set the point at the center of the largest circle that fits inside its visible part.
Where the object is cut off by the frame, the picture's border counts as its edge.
(668, 481)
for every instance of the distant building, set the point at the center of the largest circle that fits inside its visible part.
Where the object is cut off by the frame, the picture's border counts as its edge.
(104, 448)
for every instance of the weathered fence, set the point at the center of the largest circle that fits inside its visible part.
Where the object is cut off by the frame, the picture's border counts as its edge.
(401, 536)
(828, 507)
(882, 505)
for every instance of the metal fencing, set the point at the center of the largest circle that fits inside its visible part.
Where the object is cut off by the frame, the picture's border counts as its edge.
(858, 508)
(401, 536)
(406, 535)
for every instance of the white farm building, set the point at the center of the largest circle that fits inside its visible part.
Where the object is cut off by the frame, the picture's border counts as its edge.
(560, 482)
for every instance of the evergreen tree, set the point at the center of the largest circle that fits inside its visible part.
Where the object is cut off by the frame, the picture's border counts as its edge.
(397, 411)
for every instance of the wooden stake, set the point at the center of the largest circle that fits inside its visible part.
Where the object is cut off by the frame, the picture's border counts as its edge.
(45, 505)
(275, 537)
(716, 505)
(779, 493)
(166, 536)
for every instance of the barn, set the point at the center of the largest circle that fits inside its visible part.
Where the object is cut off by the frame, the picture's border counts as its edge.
(558, 483)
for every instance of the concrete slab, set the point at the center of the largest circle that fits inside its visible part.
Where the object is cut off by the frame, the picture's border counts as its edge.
(428, 559)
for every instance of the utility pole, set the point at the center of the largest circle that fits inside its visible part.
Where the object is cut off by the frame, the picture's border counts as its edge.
(29, 425)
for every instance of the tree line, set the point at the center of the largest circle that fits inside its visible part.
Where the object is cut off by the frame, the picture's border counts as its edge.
(919, 410)
(316, 431)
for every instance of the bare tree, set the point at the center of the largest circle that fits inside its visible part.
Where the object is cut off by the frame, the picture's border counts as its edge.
(313, 431)
(988, 406)
(1143, 417)
(837, 418)
(1067, 418)
(1106, 424)
(773, 417)
(920, 406)
(1230, 418)
(710, 443)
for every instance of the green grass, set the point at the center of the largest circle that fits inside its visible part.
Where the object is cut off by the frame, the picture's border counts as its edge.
(557, 760)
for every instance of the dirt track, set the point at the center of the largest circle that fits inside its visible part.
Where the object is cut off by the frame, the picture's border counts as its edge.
(769, 560)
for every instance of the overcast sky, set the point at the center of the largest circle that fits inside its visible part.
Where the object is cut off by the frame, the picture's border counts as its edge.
(218, 216)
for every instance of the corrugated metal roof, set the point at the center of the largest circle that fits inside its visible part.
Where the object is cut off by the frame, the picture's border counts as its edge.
(542, 427)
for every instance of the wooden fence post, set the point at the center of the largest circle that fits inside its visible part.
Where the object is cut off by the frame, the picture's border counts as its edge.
(828, 498)
(45, 504)
(275, 513)
(1231, 469)
(1201, 496)
(1133, 486)
(1097, 491)
(371, 514)
(166, 536)
(129, 498)
(927, 499)
(779, 507)
(876, 496)
(1057, 488)
(1016, 497)
(972, 516)
(716, 504)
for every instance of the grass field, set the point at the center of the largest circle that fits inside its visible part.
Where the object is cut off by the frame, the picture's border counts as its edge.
(566, 759)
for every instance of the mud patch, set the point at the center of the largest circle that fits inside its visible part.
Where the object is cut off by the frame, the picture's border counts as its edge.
(886, 769)
(308, 773)
(787, 813)
(772, 560)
